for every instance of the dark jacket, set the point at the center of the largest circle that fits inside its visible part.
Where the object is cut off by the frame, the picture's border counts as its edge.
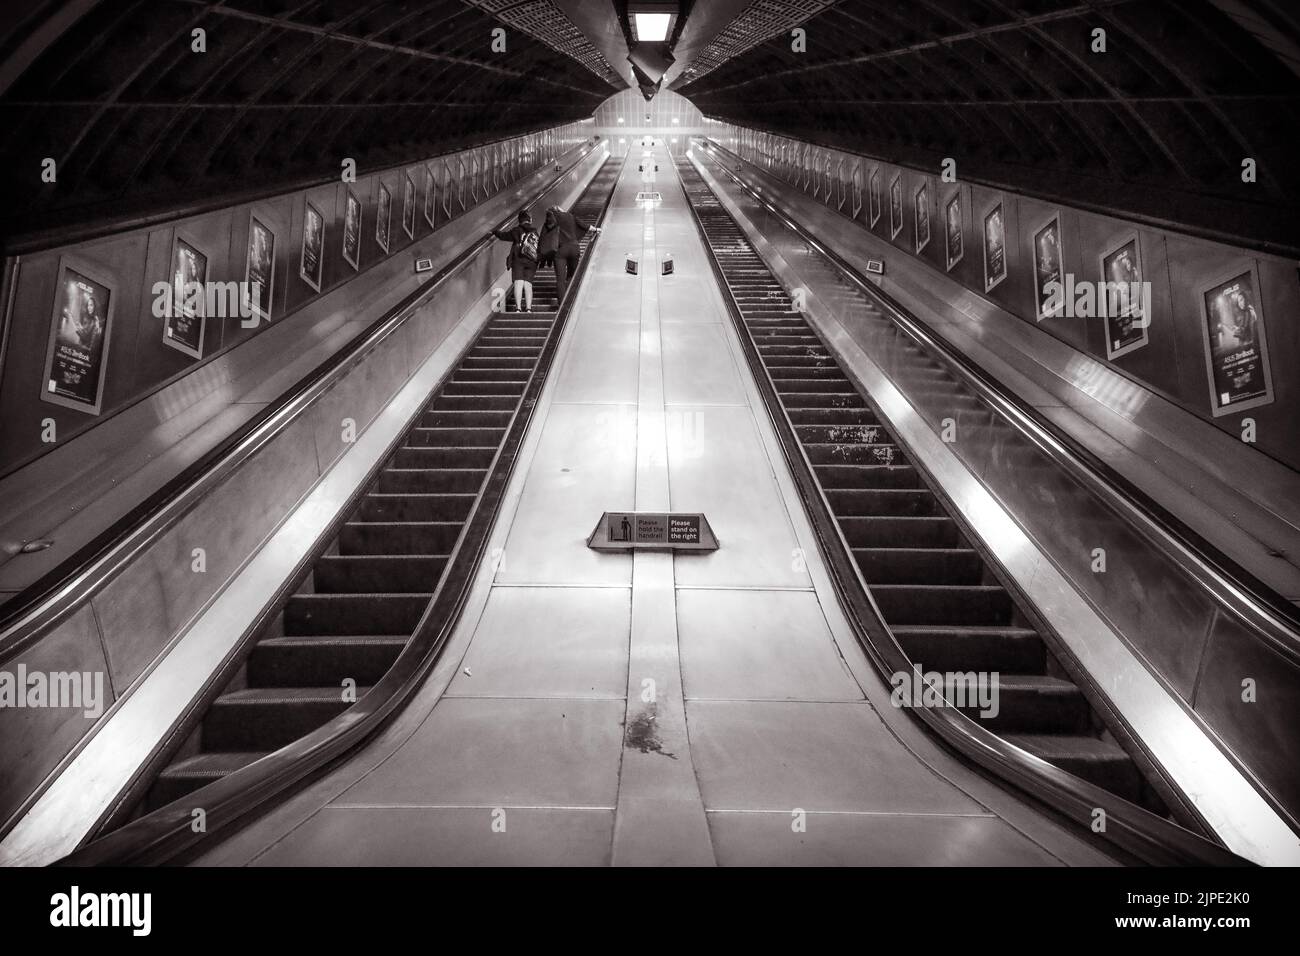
(513, 235)
(571, 231)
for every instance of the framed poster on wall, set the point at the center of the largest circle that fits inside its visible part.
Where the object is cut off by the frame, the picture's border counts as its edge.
(895, 205)
(186, 316)
(1123, 304)
(1236, 352)
(844, 184)
(474, 167)
(430, 197)
(873, 195)
(921, 202)
(383, 217)
(1048, 271)
(408, 207)
(448, 187)
(259, 270)
(463, 169)
(952, 232)
(829, 170)
(311, 261)
(352, 231)
(857, 190)
(81, 327)
(995, 248)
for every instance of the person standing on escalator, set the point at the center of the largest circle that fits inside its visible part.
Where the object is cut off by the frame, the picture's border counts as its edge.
(570, 232)
(523, 258)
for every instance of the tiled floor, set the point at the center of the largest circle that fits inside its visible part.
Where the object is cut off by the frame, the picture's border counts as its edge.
(695, 709)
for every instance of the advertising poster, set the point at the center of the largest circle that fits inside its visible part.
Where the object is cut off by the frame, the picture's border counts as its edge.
(311, 264)
(259, 270)
(185, 321)
(1121, 301)
(460, 182)
(352, 231)
(922, 201)
(857, 190)
(873, 195)
(1048, 270)
(383, 217)
(953, 230)
(1236, 354)
(79, 332)
(430, 197)
(995, 248)
(896, 205)
(408, 207)
(448, 187)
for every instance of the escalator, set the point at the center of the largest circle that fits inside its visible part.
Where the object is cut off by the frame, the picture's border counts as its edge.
(942, 601)
(355, 611)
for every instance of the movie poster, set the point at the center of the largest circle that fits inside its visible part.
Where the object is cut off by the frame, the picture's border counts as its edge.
(1048, 270)
(1121, 301)
(383, 217)
(408, 207)
(857, 190)
(873, 195)
(183, 326)
(352, 231)
(922, 201)
(430, 197)
(79, 332)
(896, 205)
(1236, 354)
(311, 265)
(995, 248)
(460, 182)
(259, 270)
(953, 230)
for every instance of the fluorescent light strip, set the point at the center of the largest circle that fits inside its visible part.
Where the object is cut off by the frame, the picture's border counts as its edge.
(652, 27)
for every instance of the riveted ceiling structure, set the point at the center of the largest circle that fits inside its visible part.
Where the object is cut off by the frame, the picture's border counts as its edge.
(137, 120)
(1157, 125)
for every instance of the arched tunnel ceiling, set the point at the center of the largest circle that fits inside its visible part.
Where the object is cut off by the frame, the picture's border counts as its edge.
(1158, 125)
(138, 122)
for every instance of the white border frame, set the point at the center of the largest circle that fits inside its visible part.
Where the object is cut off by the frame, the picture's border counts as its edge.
(430, 205)
(409, 196)
(73, 262)
(380, 193)
(308, 207)
(875, 201)
(894, 230)
(349, 197)
(917, 209)
(856, 190)
(997, 207)
(174, 310)
(1217, 410)
(248, 265)
(1043, 225)
(961, 230)
(1108, 250)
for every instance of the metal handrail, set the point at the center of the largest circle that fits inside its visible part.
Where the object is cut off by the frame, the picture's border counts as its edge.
(1268, 613)
(65, 588)
(1131, 829)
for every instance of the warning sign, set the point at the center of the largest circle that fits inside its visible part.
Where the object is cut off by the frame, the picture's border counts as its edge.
(626, 530)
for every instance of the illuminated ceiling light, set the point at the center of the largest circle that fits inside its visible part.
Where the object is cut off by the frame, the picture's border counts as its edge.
(620, 119)
(651, 27)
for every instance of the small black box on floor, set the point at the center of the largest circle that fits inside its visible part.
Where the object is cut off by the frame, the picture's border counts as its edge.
(631, 266)
(667, 267)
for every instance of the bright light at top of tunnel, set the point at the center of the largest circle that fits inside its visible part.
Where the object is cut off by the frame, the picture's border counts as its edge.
(652, 27)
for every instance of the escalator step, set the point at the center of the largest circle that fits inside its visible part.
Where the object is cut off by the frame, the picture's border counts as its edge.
(1033, 704)
(414, 507)
(269, 718)
(1101, 762)
(313, 614)
(894, 532)
(323, 661)
(868, 476)
(1013, 650)
(409, 481)
(398, 537)
(943, 604)
(378, 573)
(912, 565)
(186, 776)
(883, 501)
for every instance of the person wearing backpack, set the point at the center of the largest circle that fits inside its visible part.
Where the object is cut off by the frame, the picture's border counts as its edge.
(523, 259)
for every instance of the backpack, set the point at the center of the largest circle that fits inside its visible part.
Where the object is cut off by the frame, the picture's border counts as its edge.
(528, 245)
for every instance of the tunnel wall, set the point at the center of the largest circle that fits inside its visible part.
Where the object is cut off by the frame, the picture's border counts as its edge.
(138, 362)
(1181, 269)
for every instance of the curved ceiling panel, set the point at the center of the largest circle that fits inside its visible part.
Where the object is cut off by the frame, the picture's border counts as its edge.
(1158, 125)
(137, 121)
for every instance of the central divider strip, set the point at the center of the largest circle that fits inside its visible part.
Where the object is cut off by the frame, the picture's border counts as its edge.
(660, 816)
